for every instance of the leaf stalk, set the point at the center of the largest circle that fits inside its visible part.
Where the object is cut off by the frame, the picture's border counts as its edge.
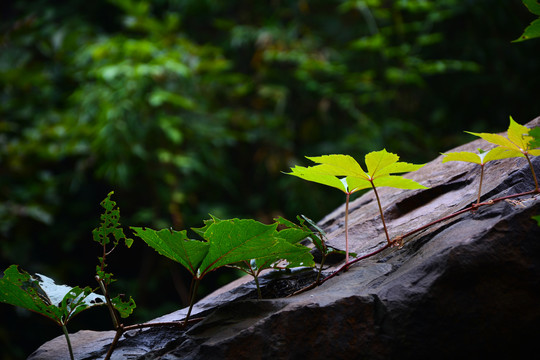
(66, 334)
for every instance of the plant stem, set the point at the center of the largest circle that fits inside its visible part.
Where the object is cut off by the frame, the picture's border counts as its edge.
(259, 293)
(119, 331)
(66, 334)
(193, 294)
(533, 173)
(480, 186)
(381, 211)
(347, 228)
(110, 306)
(323, 259)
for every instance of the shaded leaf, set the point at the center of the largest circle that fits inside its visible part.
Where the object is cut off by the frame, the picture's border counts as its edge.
(41, 295)
(176, 246)
(124, 308)
(110, 225)
(236, 240)
(535, 133)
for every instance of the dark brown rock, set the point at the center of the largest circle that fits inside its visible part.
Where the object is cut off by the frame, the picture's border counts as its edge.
(468, 287)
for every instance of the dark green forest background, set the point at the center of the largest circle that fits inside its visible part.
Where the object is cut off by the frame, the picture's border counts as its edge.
(191, 107)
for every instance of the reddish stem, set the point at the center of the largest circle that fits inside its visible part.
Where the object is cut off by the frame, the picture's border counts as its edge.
(347, 228)
(381, 211)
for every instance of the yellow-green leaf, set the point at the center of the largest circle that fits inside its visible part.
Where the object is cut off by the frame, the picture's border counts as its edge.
(377, 161)
(465, 156)
(482, 157)
(338, 165)
(398, 182)
(519, 134)
(318, 175)
(496, 139)
(380, 164)
(519, 141)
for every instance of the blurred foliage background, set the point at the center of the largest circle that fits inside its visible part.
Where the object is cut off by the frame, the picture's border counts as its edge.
(190, 107)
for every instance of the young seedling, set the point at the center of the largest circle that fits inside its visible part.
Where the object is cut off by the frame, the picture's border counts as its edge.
(40, 294)
(519, 143)
(344, 173)
(289, 254)
(109, 234)
(317, 237)
(480, 158)
(226, 242)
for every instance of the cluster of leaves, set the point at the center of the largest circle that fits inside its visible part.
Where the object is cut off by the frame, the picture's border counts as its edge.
(61, 303)
(110, 232)
(520, 142)
(242, 243)
(344, 173)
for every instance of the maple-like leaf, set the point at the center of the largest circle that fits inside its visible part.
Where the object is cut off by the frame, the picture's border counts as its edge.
(518, 142)
(345, 173)
(176, 246)
(481, 157)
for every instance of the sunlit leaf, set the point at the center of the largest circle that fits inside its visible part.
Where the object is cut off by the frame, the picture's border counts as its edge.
(518, 142)
(380, 165)
(318, 175)
(480, 158)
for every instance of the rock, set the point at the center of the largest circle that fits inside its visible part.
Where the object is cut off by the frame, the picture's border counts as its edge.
(465, 287)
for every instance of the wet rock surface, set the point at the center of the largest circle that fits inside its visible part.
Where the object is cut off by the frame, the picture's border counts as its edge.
(466, 287)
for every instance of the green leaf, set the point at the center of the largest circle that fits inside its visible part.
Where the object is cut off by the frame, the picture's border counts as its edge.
(110, 225)
(533, 30)
(236, 240)
(318, 175)
(338, 165)
(533, 6)
(176, 246)
(41, 295)
(535, 133)
(518, 142)
(124, 308)
(537, 218)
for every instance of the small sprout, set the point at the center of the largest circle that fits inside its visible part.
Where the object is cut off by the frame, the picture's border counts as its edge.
(344, 173)
(480, 158)
(518, 143)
